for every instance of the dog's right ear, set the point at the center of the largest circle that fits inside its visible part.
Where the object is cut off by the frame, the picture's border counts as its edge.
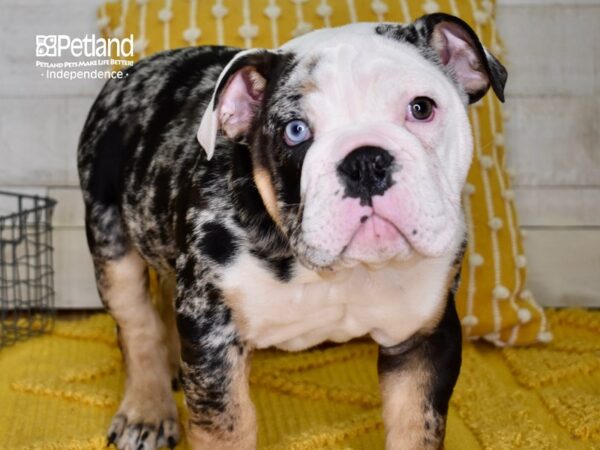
(237, 96)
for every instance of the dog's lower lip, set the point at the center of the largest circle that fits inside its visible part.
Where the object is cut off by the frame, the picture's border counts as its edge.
(392, 224)
(389, 222)
(364, 219)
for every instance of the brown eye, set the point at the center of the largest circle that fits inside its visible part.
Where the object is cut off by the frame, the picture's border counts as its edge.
(421, 108)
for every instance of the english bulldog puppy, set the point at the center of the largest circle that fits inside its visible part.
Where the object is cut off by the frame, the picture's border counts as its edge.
(286, 198)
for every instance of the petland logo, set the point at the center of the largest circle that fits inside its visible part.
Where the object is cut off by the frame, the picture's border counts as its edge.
(62, 57)
(53, 45)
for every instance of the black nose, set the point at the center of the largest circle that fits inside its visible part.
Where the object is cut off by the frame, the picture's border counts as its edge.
(365, 172)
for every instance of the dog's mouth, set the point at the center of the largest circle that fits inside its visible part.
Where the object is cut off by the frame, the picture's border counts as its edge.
(376, 240)
(373, 240)
(376, 228)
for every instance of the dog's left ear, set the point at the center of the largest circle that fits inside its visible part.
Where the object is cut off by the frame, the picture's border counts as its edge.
(237, 96)
(458, 47)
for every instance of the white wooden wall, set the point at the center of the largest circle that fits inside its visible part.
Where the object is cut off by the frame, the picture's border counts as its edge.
(553, 142)
(553, 137)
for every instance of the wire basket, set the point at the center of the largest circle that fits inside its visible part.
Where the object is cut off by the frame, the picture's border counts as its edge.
(26, 270)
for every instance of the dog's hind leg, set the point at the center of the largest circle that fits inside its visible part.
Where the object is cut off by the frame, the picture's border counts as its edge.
(147, 416)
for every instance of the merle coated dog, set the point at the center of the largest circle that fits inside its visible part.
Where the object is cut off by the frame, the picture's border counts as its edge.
(285, 197)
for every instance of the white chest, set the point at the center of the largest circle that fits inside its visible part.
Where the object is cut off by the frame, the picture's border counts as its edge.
(390, 303)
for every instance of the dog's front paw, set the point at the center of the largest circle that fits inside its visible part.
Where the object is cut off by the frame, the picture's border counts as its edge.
(147, 427)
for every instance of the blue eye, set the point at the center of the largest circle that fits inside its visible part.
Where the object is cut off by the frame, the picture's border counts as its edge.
(296, 132)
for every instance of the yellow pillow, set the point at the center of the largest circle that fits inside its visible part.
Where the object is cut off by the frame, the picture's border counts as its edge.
(492, 300)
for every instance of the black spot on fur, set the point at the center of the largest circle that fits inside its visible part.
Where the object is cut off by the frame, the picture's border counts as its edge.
(443, 350)
(188, 270)
(162, 192)
(211, 293)
(106, 177)
(190, 334)
(282, 267)
(403, 33)
(218, 243)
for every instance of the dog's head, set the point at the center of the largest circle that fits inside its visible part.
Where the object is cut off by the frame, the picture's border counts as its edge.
(359, 135)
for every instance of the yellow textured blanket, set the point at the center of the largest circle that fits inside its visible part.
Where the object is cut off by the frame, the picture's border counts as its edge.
(60, 391)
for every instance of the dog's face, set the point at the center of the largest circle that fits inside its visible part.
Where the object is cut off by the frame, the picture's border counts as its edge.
(359, 136)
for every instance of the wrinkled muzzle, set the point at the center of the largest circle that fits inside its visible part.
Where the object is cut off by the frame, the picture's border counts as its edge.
(373, 194)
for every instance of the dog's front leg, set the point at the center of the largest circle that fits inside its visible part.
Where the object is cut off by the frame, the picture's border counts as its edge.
(417, 378)
(215, 365)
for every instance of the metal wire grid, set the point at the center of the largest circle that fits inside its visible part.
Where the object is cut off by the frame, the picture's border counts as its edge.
(26, 269)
